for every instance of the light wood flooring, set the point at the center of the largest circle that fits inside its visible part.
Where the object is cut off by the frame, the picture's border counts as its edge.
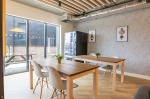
(17, 87)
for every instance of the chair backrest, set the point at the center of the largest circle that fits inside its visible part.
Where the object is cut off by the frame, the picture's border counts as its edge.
(37, 69)
(55, 79)
(92, 54)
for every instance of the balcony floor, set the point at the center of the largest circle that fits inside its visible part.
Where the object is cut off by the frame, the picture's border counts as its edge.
(15, 68)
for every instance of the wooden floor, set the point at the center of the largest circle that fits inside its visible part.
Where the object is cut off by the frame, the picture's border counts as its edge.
(17, 87)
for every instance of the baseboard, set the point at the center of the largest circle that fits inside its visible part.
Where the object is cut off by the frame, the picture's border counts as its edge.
(132, 75)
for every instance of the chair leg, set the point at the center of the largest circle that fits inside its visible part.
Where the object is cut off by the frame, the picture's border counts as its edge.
(61, 94)
(104, 74)
(117, 77)
(64, 95)
(52, 94)
(111, 76)
(36, 85)
(41, 89)
(46, 82)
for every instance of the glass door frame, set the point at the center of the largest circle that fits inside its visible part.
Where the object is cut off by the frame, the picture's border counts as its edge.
(45, 34)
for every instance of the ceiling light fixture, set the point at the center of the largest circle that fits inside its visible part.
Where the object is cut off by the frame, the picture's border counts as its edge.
(59, 3)
(83, 13)
(16, 29)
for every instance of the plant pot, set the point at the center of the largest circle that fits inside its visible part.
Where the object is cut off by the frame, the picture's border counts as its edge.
(59, 61)
(96, 56)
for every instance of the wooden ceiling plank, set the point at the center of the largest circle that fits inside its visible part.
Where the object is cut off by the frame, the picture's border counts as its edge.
(74, 3)
(114, 0)
(107, 1)
(96, 3)
(81, 3)
(55, 5)
(101, 2)
(70, 4)
(89, 3)
(52, 4)
(53, 1)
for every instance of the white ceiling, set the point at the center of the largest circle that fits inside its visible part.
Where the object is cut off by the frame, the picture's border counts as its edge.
(36, 4)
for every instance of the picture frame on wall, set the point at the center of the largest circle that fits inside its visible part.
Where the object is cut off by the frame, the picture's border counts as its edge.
(122, 34)
(91, 36)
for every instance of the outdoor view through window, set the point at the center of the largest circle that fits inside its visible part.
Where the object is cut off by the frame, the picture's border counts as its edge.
(43, 41)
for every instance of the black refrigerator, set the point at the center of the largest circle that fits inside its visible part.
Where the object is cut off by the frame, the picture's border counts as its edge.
(75, 44)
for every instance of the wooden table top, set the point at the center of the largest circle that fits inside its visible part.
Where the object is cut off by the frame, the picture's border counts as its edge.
(104, 59)
(66, 67)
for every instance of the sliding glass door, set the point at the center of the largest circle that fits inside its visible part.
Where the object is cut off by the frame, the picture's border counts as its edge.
(26, 39)
(15, 44)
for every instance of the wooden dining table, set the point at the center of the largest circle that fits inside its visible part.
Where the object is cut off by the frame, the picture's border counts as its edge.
(105, 61)
(70, 70)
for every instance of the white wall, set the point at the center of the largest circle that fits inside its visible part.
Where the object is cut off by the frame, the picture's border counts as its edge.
(25, 11)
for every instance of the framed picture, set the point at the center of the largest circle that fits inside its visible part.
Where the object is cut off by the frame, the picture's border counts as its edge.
(91, 36)
(122, 34)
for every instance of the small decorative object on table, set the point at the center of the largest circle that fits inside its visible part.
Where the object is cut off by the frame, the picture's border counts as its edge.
(97, 54)
(59, 58)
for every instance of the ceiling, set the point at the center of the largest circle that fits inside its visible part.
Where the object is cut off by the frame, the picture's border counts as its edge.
(80, 7)
(73, 7)
(85, 9)
(42, 6)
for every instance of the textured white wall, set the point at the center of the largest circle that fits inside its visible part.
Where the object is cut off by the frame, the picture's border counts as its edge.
(136, 51)
(25, 11)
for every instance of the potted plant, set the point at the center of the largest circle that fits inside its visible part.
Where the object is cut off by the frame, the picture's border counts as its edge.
(97, 54)
(59, 58)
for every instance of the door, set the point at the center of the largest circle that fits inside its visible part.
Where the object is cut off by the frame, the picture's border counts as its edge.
(2, 30)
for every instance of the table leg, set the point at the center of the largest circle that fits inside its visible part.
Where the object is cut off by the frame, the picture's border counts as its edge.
(69, 88)
(31, 76)
(30, 56)
(10, 59)
(23, 57)
(114, 78)
(95, 84)
(122, 72)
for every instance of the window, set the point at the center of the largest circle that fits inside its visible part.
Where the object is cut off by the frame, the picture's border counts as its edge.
(52, 39)
(43, 38)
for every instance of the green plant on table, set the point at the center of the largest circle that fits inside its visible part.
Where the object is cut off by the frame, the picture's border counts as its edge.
(97, 54)
(59, 58)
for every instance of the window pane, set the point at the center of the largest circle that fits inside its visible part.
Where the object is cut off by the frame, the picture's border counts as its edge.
(52, 40)
(15, 59)
(15, 41)
(36, 38)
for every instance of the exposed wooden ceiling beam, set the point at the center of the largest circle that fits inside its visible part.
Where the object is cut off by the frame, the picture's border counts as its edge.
(107, 1)
(82, 3)
(101, 2)
(114, 0)
(64, 6)
(52, 4)
(89, 3)
(70, 4)
(95, 2)
(74, 3)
